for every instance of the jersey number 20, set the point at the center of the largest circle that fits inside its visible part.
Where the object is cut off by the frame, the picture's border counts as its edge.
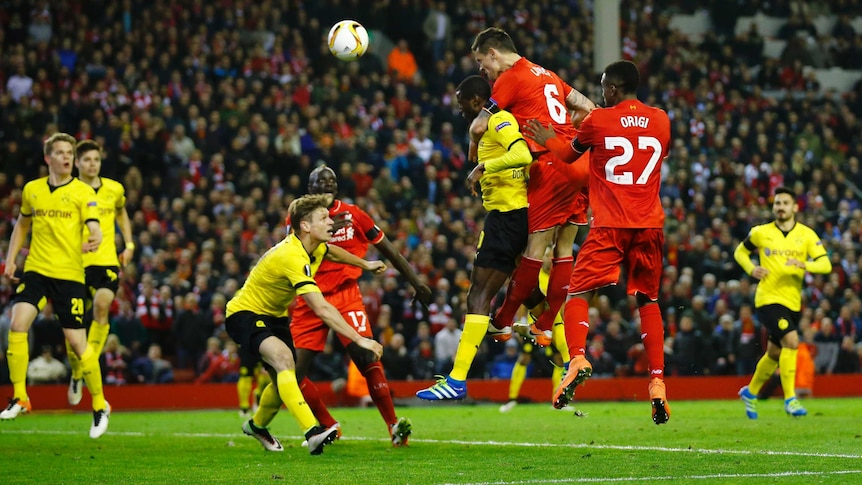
(627, 178)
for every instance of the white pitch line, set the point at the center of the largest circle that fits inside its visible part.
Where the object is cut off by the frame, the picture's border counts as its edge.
(706, 451)
(684, 477)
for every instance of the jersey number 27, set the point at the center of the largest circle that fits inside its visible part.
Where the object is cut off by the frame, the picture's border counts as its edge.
(627, 178)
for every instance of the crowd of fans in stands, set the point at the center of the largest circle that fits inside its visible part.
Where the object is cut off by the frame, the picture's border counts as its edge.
(212, 115)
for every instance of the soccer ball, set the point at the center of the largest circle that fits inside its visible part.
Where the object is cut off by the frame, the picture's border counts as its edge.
(348, 40)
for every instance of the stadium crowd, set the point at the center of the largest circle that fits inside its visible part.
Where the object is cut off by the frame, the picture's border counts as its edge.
(213, 114)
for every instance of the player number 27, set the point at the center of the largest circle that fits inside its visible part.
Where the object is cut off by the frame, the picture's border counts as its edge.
(627, 178)
(359, 320)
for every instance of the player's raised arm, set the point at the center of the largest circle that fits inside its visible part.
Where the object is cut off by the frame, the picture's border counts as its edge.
(546, 137)
(333, 319)
(339, 255)
(423, 292)
(579, 106)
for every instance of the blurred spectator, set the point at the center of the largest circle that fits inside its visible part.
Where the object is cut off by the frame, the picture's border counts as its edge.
(828, 346)
(725, 343)
(445, 346)
(690, 349)
(115, 361)
(402, 64)
(422, 360)
(152, 368)
(396, 359)
(45, 369)
(222, 366)
(504, 362)
(603, 363)
(191, 331)
(438, 28)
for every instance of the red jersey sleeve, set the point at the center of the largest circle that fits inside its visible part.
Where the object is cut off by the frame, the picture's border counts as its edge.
(365, 225)
(505, 89)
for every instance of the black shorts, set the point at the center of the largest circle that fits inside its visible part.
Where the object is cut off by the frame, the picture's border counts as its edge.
(99, 277)
(503, 240)
(249, 329)
(778, 320)
(67, 297)
(247, 362)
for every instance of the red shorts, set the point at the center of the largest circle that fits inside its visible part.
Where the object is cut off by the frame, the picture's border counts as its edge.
(309, 331)
(552, 191)
(606, 248)
(580, 208)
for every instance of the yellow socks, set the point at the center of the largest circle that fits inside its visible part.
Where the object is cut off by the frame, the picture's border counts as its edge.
(270, 403)
(519, 373)
(97, 336)
(92, 374)
(764, 370)
(559, 339)
(787, 371)
(289, 392)
(74, 362)
(18, 356)
(243, 389)
(475, 328)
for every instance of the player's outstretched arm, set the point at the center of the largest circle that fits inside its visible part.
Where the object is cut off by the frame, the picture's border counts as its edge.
(546, 137)
(579, 105)
(126, 229)
(333, 319)
(479, 126)
(95, 237)
(16, 242)
(423, 292)
(340, 255)
(742, 255)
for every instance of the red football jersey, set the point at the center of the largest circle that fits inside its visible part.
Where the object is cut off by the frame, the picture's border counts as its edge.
(355, 238)
(531, 92)
(629, 142)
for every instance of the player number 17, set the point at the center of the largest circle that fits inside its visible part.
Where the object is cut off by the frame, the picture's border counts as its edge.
(359, 320)
(627, 178)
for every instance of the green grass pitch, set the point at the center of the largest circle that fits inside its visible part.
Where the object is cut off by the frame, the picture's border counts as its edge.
(704, 442)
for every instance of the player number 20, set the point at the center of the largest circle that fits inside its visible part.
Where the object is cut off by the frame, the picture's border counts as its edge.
(359, 320)
(627, 178)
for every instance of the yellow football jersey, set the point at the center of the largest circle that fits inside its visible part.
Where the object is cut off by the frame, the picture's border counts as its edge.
(783, 284)
(281, 274)
(59, 215)
(505, 190)
(110, 198)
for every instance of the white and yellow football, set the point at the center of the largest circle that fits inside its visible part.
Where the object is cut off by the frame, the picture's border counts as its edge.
(348, 40)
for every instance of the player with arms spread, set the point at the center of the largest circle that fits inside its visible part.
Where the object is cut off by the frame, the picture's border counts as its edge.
(58, 208)
(339, 286)
(101, 267)
(257, 316)
(504, 154)
(786, 250)
(629, 140)
(556, 203)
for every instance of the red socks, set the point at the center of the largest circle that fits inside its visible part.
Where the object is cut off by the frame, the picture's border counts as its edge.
(558, 286)
(652, 334)
(378, 389)
(577, 325)
(315, 403)
(523, 281)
